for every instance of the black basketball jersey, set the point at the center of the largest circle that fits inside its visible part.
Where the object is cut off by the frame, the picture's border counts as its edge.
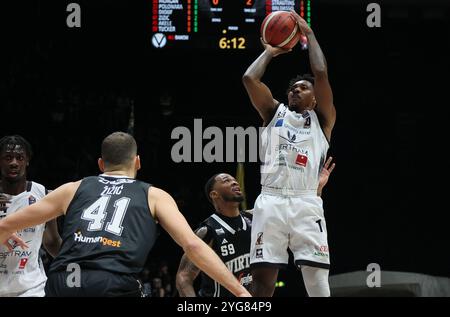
(108, 226)
(230, 238)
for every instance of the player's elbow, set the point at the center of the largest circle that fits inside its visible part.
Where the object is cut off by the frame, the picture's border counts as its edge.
(5, 228)
(193, 246)
(248, 79)
(321, 72)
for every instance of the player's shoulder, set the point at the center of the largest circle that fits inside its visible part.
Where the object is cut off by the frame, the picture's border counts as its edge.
(35, 185)
(280, 110)
(144, 185)
(156, 193)
(205, 230)
(211, 223)
(37, 189)
(90, 178)
(207, 222)
(69, 188)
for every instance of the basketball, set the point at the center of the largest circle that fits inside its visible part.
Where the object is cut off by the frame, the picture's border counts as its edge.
(280, 29)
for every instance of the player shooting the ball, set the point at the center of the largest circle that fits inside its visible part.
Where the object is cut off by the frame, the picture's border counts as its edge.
(288, 213)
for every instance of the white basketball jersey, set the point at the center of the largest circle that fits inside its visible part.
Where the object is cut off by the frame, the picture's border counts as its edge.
(22, 270)
(294, 149)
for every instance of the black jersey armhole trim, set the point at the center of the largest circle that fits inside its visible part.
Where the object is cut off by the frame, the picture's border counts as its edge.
(209, 237)
(147, 187)
(299, 263)
(268, 264)
(76, 194)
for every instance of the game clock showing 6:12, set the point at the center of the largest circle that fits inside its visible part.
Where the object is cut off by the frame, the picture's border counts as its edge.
(232, 43)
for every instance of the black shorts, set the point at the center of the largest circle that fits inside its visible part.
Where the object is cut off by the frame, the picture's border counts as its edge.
(93, 283)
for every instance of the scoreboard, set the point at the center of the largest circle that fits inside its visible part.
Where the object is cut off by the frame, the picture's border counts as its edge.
(215, 24)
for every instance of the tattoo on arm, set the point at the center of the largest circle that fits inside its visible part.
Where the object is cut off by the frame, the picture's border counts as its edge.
(188, 272)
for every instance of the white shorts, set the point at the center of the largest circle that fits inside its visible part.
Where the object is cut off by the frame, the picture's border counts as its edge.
(37, 291)
(295, 222)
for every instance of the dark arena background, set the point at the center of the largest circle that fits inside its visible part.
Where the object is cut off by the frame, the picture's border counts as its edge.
(65, 88)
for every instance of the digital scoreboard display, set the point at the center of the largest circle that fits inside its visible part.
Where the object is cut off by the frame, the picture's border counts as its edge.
(215, 24)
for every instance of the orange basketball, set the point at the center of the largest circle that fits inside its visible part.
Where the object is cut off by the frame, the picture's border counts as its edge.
(280, 29)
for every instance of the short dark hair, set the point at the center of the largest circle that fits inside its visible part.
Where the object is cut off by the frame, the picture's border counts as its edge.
(16, 140)
(118, 148)
(307, 77)
(209, 186)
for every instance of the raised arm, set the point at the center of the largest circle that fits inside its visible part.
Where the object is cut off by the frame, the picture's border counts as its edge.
(260, 95)
(49, 207)
(322, 89)
(188, 272)
(166, 212)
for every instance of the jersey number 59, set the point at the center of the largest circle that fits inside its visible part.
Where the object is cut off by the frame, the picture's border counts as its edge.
(227, 249)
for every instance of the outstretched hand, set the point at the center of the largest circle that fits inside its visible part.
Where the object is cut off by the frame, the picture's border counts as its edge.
(13, 241)
(273, 50)
(326, 172)
(302, 24)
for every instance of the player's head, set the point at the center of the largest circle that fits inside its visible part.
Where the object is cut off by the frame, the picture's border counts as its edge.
(301, 93)
(223, 187)
(15, 155)
(119, 153)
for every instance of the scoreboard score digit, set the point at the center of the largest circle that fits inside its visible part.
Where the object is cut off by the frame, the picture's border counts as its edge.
(215, 24)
